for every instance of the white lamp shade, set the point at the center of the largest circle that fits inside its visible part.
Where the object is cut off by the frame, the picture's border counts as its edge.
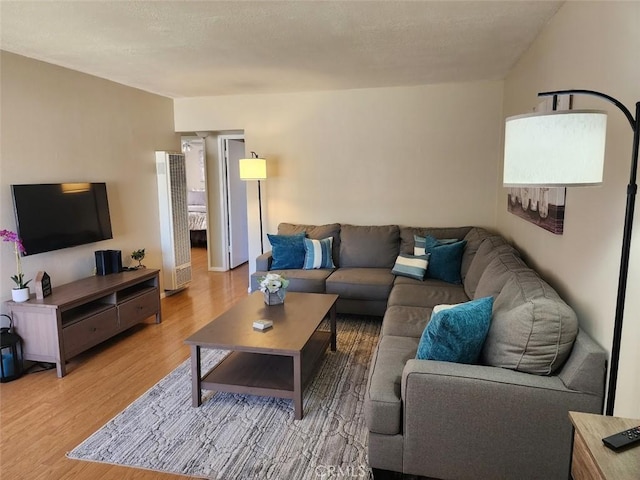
(555, 149)
(253, 169)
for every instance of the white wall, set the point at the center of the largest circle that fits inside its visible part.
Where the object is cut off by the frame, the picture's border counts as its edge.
(595, 46)
(59, 125)
(423, 155)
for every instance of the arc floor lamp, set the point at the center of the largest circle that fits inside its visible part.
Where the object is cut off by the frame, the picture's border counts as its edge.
(255, 168)
(566, 148)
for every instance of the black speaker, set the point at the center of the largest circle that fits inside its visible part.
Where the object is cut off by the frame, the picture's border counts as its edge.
(115, 258)
(103, 262)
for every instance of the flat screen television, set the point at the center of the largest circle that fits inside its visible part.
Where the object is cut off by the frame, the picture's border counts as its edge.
(59, 215)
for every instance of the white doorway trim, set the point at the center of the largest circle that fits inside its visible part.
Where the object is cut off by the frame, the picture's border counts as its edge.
(225, 236)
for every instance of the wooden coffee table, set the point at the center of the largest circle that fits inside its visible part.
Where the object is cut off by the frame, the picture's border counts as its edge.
(277, 362)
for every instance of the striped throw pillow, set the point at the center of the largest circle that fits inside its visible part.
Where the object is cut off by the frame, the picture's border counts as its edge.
(420, 245)
(318, 253)
(412, 266)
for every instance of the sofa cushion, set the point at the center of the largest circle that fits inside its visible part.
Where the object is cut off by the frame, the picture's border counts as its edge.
(427, 293)
(369, 246)
(532, 329)
(317, 253)
(383, 403)
(445, 261)
(474, 239)
(288, 251)
(361, 283)
(456, 333)
(488, 250)
(405, 321)
(310, 281)
(412, 266)
(317, 232)
(497, 272)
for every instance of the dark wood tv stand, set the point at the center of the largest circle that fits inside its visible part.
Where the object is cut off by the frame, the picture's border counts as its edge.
(84, 313)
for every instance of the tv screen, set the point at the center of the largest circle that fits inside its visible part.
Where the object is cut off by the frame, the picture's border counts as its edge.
(60, 215)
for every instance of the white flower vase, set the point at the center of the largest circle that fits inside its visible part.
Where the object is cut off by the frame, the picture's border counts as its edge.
(274, 298)
(20, 294)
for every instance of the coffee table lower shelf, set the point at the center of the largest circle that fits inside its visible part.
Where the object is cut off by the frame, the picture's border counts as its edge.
(266, 374)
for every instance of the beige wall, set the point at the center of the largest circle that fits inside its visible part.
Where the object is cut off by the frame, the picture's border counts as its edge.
(415, 155)
(60, 125)
(588, 45)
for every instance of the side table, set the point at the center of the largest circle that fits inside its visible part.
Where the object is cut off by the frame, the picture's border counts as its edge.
(591, 460)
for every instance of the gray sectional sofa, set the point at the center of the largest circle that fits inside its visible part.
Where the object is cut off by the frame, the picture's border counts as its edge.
(503, 418)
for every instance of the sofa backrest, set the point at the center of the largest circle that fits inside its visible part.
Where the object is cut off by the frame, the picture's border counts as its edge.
(498, 271)
(532, 329)
(373, 246)
(489, 248)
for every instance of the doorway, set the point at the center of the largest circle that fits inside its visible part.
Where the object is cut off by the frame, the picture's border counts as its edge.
(234, 200)
(193, 149)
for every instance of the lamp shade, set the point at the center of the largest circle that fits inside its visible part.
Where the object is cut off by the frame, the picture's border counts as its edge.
(555, 149)
(253, 169)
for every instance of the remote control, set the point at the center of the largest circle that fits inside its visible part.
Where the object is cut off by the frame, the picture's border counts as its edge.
(623, 440)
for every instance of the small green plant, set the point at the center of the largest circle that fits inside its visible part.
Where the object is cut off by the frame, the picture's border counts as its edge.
(138, 255)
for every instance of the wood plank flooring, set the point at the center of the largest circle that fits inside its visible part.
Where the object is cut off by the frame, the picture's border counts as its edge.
(42, 417)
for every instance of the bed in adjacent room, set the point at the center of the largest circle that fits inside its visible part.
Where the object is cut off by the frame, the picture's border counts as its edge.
(197, 208)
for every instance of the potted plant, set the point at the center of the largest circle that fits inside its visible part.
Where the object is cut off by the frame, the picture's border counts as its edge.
(274, 287)
(138, 255)
(19, 293)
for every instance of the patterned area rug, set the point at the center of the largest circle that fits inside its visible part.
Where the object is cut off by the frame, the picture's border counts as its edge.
(235, 436)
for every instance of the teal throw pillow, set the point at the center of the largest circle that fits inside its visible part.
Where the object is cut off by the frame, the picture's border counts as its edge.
(412, 266)
(422, 245)
(457, 333)
(317, 253)
(287, 251)
(445, 260)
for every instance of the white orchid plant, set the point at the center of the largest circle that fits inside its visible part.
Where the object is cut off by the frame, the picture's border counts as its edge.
(273, 282)
(18, 248)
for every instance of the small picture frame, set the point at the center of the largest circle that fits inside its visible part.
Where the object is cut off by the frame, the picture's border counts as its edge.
(43, 285)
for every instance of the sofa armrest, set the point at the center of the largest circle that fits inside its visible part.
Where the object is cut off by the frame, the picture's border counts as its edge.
(473, 421)
(586, 367)
(263, 262)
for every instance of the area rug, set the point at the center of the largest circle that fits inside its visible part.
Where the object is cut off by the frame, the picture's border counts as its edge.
(235, 436)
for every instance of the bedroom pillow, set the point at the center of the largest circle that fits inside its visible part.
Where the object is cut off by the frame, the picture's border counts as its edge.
(318, 253)
(412, 266)
(456, 333)
(287, 251)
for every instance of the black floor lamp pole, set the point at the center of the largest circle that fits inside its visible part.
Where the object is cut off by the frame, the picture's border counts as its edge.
(632, 189)
(260, 208)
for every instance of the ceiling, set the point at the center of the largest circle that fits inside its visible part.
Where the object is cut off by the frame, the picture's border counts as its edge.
(205, 48)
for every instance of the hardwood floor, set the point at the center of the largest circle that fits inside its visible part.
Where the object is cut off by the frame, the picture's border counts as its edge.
(42, 417)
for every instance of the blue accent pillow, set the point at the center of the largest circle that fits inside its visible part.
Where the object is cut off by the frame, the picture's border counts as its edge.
(318, 253)
(412, 266)
(287, 251)
(457, 334)
(445, 260)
